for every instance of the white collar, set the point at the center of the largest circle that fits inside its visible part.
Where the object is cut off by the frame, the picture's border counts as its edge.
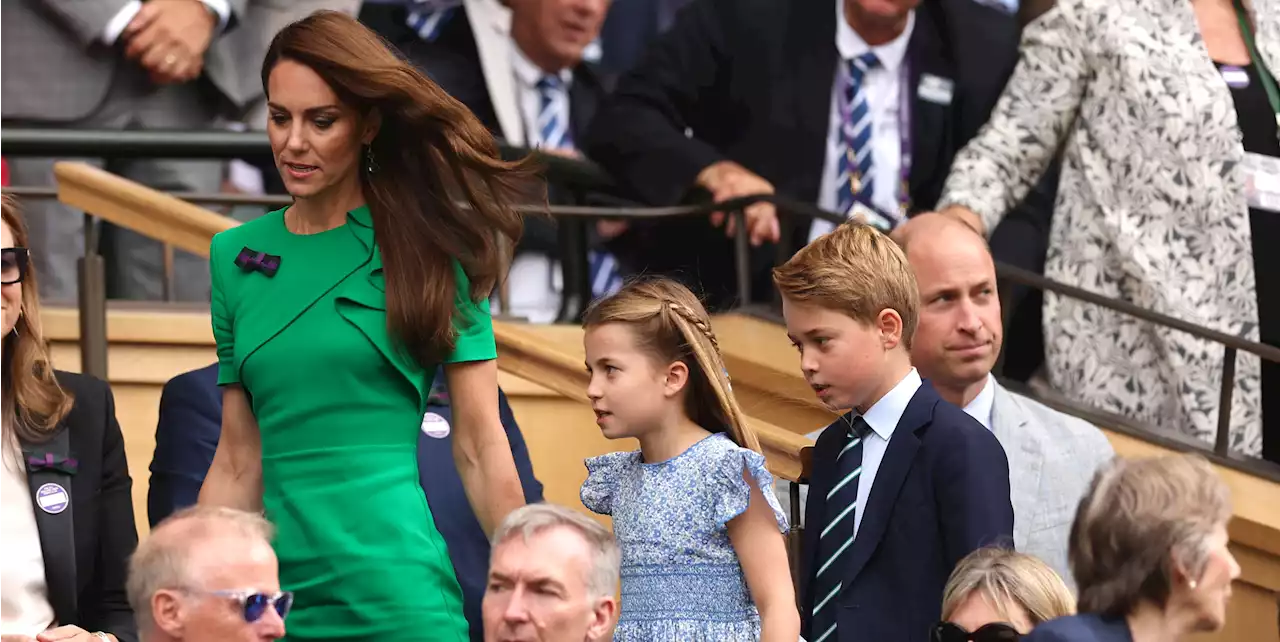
(883, 415)
(851, 45)
(982, 405)
(528, 73)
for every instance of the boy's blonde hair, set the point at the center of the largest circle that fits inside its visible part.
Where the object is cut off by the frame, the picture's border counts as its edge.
(854, 270)
(671, 324)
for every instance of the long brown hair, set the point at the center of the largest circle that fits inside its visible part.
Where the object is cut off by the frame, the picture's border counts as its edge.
(34, 403)
(672, 325)
(440, 191)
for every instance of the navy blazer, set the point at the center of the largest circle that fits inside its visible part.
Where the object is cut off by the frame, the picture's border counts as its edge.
(942, 491)
(187, 436)
(1085, 627)
(87, 539)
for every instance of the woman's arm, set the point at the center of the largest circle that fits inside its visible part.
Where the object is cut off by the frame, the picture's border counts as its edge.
(762, 552)
(480, 448)
(235, 477)
(996, 169)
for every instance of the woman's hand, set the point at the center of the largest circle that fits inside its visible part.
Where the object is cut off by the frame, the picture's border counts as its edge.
(70, 633)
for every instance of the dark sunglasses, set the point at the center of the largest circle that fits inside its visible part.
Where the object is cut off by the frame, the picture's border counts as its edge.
(994, 632)
(255, 605)
(13, 268)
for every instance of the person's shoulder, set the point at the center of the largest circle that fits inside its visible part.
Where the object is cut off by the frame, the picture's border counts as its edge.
(949, 422)
(1078, 628)
(199, 378)
(1066, 432)
(81, 385)
(245, 232)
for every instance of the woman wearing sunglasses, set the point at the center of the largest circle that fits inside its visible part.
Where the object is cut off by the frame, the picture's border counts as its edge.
(999, 595)
(1149, 552)
(64, 464)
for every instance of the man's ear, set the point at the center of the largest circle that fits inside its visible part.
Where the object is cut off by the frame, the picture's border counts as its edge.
(677, 378)
(169, 612)
(889, 323)
(603, 617)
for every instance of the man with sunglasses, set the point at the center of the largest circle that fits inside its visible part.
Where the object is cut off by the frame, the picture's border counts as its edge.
(208, 574)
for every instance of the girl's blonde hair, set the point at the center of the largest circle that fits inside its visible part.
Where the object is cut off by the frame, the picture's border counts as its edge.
(671, 324)
(1007, 580)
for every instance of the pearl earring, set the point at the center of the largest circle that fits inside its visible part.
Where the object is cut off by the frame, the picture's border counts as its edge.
(1192, 584)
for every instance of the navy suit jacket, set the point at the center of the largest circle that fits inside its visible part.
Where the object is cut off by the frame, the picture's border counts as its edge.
(187, 436)
(1085, 627)
(942, 491)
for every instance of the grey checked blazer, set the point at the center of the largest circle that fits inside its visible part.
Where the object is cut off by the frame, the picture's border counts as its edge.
(1052, 459)
(55, 67)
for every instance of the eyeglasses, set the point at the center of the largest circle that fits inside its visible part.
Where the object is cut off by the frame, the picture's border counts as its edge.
(15, 263)
(994, 632)
(254, 605)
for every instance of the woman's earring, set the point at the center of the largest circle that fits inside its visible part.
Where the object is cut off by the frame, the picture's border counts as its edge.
(1192, 584)
(370, 164)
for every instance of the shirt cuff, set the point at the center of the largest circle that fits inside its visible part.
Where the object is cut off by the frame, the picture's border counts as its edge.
(223, 10)
(116, 25)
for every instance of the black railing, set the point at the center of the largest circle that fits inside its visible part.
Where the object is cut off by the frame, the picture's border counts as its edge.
(586, 182)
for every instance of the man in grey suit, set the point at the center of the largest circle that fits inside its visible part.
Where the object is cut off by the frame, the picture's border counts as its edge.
(1052, 456)
(114, 64)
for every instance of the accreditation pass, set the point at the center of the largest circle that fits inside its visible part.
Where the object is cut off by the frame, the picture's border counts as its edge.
(1262, 181)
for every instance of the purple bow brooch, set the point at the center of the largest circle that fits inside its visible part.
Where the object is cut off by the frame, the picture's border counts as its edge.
(50, 461)
(251, 260)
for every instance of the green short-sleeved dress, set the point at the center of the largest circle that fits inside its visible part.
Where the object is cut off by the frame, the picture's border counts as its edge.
(339, 407)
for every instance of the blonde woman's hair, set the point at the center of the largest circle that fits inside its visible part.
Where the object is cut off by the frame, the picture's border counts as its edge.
(670, 323)
(1138, 518)
(1007, 579)
(854, 270)
(34, 403)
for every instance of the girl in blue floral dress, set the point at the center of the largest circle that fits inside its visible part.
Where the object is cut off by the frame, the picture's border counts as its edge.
(703, 557)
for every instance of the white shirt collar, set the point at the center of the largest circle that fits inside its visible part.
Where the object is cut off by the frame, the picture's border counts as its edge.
(883, 415)
(851, 45)
(983, 405)
(528, 73)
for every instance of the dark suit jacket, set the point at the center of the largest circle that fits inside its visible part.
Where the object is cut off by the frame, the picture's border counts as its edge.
(752, 79)
(1085, 627)
(187, 436)
(942, 491)
(87, 545)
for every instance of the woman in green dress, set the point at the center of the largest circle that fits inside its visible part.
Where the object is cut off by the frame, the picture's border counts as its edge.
(331, 316)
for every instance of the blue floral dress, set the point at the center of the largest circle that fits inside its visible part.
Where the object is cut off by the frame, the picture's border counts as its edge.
(681, 579)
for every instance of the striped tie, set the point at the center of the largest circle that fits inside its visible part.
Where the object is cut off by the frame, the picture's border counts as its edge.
(553, 117)
(428, 17)
(855, 181)
(837, 536)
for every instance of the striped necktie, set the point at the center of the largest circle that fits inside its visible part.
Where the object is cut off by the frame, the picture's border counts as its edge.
(427, 18)
(553, 114)
(837, 534)
(855, 180)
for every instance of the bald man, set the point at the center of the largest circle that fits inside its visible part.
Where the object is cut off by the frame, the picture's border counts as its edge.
(1052, 456)
(208, 574)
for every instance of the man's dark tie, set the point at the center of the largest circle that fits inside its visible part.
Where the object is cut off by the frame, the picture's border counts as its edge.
(837, 534)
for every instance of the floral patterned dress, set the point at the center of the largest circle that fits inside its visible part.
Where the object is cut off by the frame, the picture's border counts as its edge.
(681, 579)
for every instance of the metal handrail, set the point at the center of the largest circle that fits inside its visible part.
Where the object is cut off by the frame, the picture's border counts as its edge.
(584, 176)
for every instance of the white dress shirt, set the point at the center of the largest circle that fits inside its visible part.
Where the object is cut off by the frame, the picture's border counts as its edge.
(981, 406)
(530, 97)
(24, 596)
(883, 87)
(117, 24)
(883, 418)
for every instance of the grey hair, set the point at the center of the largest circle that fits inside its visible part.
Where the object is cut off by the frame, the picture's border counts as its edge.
(162, 560)
(1139, 518)
(606, 558)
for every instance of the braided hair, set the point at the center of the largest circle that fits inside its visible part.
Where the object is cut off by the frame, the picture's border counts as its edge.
(671, 323)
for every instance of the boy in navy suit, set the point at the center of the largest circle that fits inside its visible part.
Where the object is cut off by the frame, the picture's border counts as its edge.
(904, 484)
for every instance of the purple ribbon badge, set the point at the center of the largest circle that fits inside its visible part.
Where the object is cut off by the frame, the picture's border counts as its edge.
(251, 260)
